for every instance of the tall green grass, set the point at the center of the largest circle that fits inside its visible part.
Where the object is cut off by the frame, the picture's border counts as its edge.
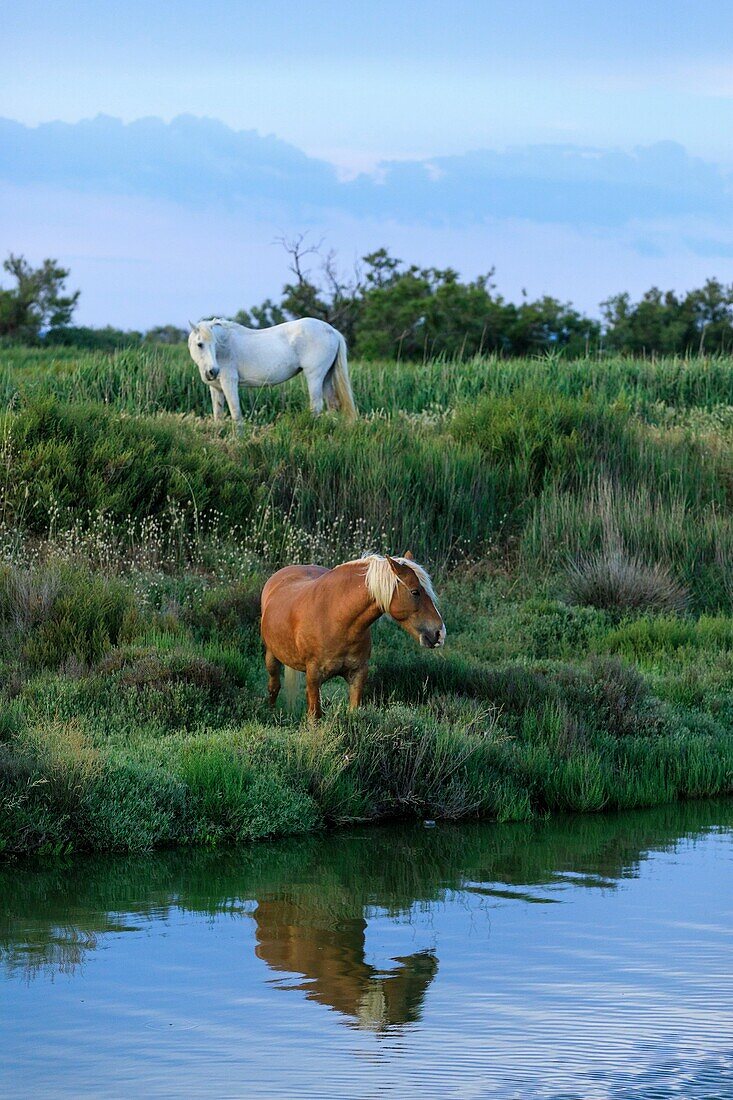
(145, 380)
(135, 535)
(548, 474)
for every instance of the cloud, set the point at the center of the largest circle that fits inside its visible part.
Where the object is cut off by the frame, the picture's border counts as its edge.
(159, 221)
(189, 160)
(560, 183)
(202, 162)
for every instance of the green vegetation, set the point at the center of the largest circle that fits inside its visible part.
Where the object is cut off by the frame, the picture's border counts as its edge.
(575, 517)
(392, 310)
(36, 301)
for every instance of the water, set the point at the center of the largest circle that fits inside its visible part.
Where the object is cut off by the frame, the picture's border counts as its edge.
(581, 958)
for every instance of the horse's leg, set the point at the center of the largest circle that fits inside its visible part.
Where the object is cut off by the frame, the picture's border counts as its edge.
(230, 386)
(315, 391)
(218, 402)
(274, 668)
(329, 391)
(357, 679)
(313, 693)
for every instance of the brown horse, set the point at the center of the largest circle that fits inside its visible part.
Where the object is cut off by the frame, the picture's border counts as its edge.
(318, 621)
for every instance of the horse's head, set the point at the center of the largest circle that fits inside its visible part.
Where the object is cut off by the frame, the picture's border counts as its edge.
(202, 345)
(413, 603)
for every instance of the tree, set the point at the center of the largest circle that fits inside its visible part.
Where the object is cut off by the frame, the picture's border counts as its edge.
(388, 310)
(166, 334)
(547, 325)
(659, 322)
(393, 314)
(37, 300)
(712, 309)
(330, 296)
(262, 316)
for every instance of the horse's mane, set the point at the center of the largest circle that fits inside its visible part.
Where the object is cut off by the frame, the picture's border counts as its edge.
(219, 330)
(381, 581)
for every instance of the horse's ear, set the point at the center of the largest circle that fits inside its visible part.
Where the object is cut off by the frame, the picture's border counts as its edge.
(398, 568)
(193, 326)
(408, 556)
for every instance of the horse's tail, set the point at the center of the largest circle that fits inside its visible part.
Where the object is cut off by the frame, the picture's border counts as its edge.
(342, 382)
(292, 684)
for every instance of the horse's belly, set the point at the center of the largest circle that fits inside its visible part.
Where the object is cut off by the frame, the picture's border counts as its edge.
(266, 364)
(266, 376)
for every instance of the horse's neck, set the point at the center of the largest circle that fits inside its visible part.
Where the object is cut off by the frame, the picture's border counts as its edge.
(361, 604)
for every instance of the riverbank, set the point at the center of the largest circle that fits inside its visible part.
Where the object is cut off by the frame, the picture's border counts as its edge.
(574, 517)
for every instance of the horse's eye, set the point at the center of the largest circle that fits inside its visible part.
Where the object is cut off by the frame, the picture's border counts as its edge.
(415, 592)
(199, 345)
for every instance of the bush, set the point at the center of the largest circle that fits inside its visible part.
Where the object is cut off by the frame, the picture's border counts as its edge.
(657, 636)
(131, 807)
(621, 697)
(613, 580)
(542, 434)
(554, 629)
(235, 794)
(148, 667)
(226, 612)
(91, 339)
(54, 614)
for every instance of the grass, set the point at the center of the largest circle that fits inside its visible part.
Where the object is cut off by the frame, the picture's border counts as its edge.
(575, 517)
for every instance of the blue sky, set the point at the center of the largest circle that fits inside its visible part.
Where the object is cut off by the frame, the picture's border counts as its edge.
(580, 147)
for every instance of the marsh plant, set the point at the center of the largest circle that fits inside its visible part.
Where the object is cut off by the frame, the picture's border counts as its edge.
(614, 580)
(574, 515)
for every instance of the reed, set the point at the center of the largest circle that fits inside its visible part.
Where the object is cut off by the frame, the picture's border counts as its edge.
(575, 517)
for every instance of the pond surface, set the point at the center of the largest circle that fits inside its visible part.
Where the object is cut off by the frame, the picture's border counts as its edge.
(586, 957)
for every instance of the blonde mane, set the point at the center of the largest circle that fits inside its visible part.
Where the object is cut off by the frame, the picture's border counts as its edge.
(381, 581)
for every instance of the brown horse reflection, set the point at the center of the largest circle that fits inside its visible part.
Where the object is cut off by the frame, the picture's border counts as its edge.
(329, 953)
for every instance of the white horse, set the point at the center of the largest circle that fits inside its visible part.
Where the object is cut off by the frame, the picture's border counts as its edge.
(227, 353)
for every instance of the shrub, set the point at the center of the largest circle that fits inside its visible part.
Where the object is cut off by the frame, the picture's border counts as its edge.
(621, 697)
(414, 765)
(226, 612)
(554, 629)
(131, 807)
(543, 434)
(27, 596)
(666, 522)
(613, 580)
(148, 667)
(235, 794)
(657, 636)
(56, 614)
(11, 719)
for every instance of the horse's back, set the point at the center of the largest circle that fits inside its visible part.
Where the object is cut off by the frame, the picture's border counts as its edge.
(311, 338)
(303, 327)
(307, 326)
(288, 583)
(268, 356)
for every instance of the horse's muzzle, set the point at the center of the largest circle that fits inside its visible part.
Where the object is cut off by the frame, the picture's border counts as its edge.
(431, 639)
(212, 374)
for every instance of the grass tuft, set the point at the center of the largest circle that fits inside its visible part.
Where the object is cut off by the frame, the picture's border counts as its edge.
(613, 580)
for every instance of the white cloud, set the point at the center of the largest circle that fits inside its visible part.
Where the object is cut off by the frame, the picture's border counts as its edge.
(159, 222)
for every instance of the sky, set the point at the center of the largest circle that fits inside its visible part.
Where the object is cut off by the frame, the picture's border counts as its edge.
(160, 151)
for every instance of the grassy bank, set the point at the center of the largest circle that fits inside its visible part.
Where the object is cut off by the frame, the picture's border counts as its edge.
(576, 520)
